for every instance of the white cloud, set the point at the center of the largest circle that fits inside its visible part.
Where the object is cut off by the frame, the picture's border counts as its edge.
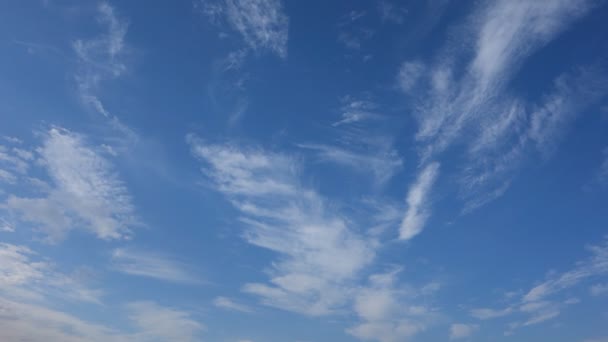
(537, 303)
(418, 202)
(152, 265)
(387, 312)
(229, 304)
(262, 24)
(24, 275)
(320, 255)
(85, 192)
(28, 322)
(461, 331)
(101, 57)
(382, 163)
(36, 323)
(158, 323)
(500, 128)
(356, 110)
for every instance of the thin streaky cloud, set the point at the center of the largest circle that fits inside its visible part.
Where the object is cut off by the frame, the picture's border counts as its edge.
(418, 202)
(231, 305)
(152, 265)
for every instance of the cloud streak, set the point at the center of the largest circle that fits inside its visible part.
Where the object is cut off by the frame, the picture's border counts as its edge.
(542, 303)
(152, 265)
(418, 210)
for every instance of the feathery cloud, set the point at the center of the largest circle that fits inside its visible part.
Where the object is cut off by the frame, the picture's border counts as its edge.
(319, 254)
(262, 24)
(418, 210)
(152, 265)
(84, 193)
(539, 303)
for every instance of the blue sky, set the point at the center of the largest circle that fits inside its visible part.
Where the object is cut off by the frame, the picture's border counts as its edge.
(271, 171)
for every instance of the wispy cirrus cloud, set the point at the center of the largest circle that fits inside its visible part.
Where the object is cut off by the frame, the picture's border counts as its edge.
(25, 275)
(101, 58)
(319, 254)
(231, 305)
(360, 143)
(153, 265)
(467, 89)
(84, 191)
(147, 321)
(542, 303)
(160, 323)
(418, 210)
(31, 288)
(262, 24)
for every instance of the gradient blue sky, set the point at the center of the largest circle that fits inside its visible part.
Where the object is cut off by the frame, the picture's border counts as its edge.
(301, 171)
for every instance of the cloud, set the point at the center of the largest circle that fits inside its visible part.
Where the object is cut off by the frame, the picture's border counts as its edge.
(356, 110)
(417, 202)
(101, 57)
(461, 331)
(84, 193)
(24, 275)
(383, 164)
(539, 303)
(466, 89)
(158, 323)
(31, 287)
(231, 305)
(152, 265)
(151, 322)
(262, 24)
(358, 144)
(319, 255)
(388, 312)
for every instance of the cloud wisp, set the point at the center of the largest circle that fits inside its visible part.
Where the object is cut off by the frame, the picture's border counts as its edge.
(262, 24)
(418, 210)
(463, 97)
(319, 254)
(542, 302)
(152, 265)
